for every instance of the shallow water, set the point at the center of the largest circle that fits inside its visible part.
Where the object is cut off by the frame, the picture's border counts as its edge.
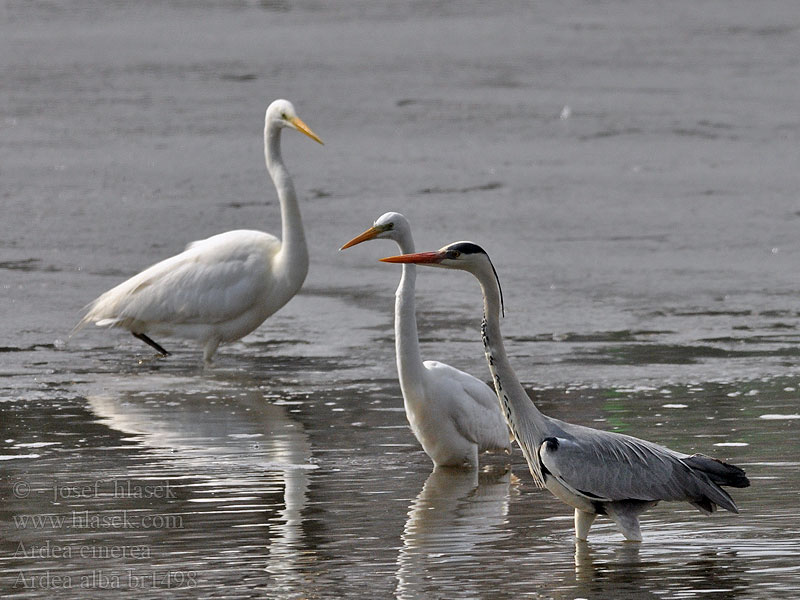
(632, 170)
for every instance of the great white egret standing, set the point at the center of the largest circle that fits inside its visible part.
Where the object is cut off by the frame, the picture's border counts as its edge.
(453, 415)
(596, 472)
(221, 288)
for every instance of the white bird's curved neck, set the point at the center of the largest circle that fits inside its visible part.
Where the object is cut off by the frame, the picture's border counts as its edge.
(524, 419)
(294, 251)
(406, 338)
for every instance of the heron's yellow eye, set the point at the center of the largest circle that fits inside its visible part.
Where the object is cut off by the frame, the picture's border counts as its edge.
(453, 254)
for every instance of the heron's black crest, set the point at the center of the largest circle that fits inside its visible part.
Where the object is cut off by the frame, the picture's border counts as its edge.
(472, 248)
(467, 248)
(502, 304)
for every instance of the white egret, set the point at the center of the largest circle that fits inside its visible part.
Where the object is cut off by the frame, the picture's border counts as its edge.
(453, 415)
(221, 288)
(596, 472)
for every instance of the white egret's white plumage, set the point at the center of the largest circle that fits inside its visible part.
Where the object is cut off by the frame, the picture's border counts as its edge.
(453, 415)
(221, 288)
(596, 472)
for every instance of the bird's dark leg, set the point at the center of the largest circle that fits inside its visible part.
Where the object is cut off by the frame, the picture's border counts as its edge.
(150, 343)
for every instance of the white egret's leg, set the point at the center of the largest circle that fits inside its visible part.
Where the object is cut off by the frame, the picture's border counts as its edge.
(150, 343)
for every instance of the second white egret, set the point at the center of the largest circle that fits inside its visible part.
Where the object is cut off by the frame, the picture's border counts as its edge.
(453, 415)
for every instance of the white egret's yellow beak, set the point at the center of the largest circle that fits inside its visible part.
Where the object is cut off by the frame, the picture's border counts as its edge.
(303, 128)
(369, 234)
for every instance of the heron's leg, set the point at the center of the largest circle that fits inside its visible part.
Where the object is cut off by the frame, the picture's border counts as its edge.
(472, 459)
(209, 350)
(627, 520)
(583, 521)
(150, 343)
(584, 562)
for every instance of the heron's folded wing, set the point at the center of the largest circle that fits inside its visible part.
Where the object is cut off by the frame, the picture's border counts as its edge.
(608, 466)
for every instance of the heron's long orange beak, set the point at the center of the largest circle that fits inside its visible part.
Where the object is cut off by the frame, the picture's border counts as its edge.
(303, 128)
(369, 234)
(419, 258)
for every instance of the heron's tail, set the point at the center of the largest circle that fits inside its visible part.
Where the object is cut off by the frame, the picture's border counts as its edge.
(717, 471)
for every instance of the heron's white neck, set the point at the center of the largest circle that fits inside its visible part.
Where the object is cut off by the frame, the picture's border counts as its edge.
(406, 338)
(524, 419)
(293, 255)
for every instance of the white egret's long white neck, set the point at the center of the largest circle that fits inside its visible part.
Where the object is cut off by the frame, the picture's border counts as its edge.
(293, 256)
(524, 419)
(406, 338)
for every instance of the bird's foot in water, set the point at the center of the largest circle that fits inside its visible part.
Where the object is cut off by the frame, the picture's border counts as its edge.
(151, 359)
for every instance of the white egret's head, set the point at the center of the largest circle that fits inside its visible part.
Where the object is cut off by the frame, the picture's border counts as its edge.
(281, 113)
(389, 226)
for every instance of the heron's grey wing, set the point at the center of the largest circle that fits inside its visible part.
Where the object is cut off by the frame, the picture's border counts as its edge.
(607, 466)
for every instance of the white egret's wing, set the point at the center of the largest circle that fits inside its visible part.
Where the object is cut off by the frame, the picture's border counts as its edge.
(212, 281)
(473, 406)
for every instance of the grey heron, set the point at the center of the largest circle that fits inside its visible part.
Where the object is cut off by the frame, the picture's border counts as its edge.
(454, 416)
(221, 288)
(596, 472)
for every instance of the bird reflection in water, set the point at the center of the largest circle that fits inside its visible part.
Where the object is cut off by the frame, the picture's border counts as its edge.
(626, 573)
(240, 468)
(455, 512)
